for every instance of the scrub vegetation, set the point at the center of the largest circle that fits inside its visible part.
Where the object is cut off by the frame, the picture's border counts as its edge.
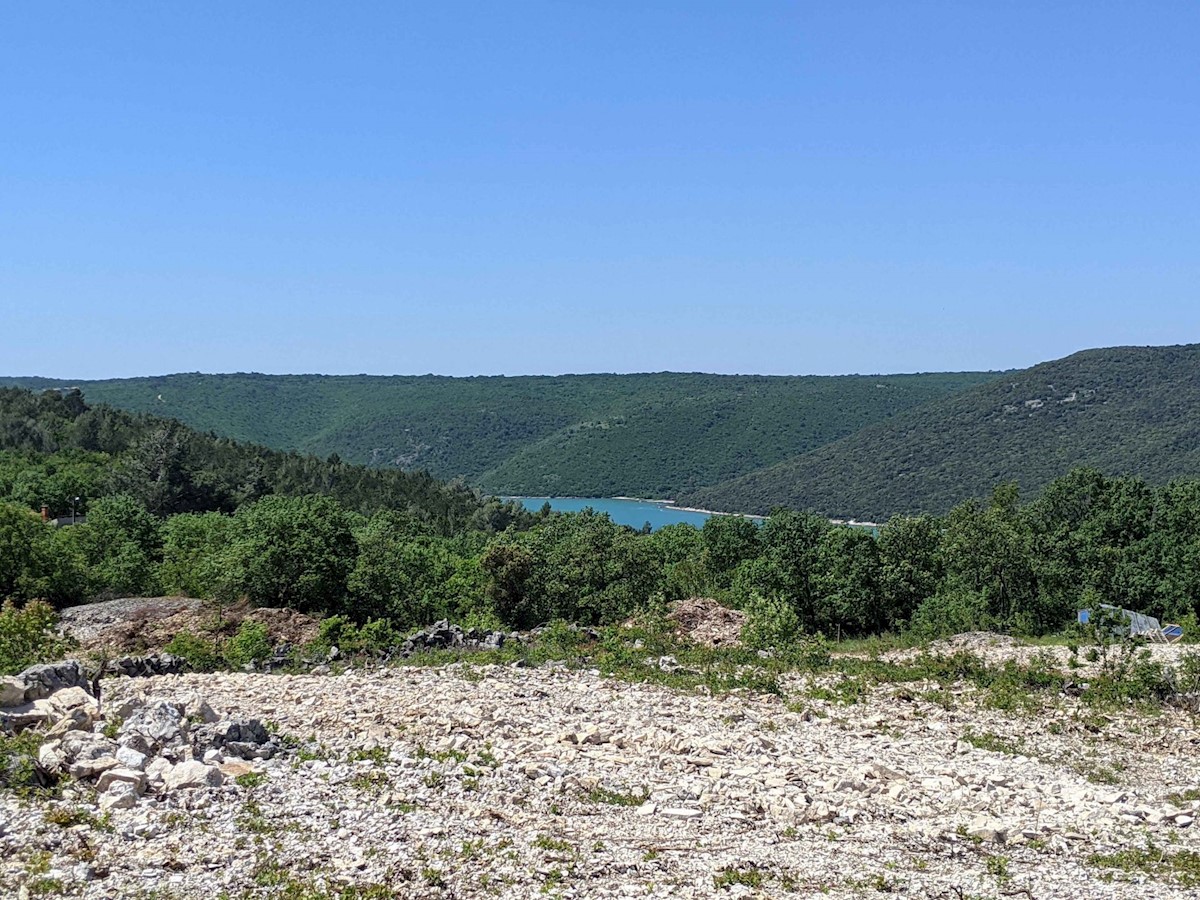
(169, 511)
(652, 435)
(1123, 410)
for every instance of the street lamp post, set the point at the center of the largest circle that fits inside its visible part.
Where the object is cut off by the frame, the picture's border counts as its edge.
(74, 500)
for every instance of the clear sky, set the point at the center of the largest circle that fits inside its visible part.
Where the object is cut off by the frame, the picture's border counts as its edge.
(520, 187)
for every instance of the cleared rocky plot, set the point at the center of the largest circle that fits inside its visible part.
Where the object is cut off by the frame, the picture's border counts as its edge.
(471, 781)
(147, 624)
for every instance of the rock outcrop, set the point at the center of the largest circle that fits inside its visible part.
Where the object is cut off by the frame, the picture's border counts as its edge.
(54, 694)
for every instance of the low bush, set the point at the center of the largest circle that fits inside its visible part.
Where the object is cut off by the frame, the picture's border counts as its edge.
(18, 763)
(201, 654)
(772, 623)
(27, 636)
(375, 636)
(251, 644)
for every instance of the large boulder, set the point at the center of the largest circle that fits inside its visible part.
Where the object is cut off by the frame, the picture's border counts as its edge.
(120, 795)
(67, 709)
(12, 691)
(244, 738)
(84, 754)
(121, 775)
(131, 758)
(192, 774)
(154, 728)
(48, 678)
(156, 771)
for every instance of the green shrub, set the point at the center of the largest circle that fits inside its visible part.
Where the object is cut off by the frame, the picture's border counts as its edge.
(27, 636)
(337, 631)
(559, 640)
(378, 635)
(18, 767)
(1128, 674)
(251, 644)
(1191, 628)
(122, 545)
(1187, 679)
(294, 552)
(772, 622)
(951, 611)
(200, 654)
(193, 544)
(808, 654)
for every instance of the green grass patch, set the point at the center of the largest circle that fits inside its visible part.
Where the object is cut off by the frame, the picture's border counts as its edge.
(1181, 867)
(746, 876)
(617, 798)
(1182, 797)
(993, 742)
(555, 845)
(250, 780)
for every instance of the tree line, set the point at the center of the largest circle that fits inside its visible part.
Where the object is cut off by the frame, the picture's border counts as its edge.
(1000, 565)
(55, 448)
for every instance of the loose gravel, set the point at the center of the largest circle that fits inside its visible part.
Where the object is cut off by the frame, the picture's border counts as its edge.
(490, 781)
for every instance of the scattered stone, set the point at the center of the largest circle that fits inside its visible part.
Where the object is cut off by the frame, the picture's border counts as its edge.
(682, 812)
(192, 774)
(120, 796)
(243, 738)
(705, 621)
(133, 777)
(988, 830)
(147, 666)
(462, 779)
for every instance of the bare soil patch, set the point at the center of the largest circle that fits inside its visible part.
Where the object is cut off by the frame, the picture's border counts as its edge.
(704, 621)
(147, 624)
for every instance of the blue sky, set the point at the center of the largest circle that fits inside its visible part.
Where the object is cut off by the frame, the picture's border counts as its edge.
(479, 188)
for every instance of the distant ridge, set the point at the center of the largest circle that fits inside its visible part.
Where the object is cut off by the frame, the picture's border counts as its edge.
(1123, 410)
(862, 447)
(648, 435)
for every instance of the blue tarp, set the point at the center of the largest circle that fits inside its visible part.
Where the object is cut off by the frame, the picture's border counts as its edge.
(1138, 623)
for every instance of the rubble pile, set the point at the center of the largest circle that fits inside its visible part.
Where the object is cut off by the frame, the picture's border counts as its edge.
(474, 781)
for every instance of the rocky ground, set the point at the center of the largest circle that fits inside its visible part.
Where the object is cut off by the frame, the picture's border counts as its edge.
(147, 624)
(996, 649)
(470, 781)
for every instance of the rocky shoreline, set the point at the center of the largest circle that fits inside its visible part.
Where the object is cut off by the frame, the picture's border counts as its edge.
(472, 781)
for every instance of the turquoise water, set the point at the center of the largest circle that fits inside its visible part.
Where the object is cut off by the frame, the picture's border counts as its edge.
(634, 513)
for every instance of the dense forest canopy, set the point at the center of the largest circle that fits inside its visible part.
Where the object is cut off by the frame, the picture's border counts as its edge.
(169, 510)
(651, 435)
(1126, 410)
(54, 447)
(865, 447)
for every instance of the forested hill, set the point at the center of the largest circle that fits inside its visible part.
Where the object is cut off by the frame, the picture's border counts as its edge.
(55, 448)
(1124, 410)
(593, 435)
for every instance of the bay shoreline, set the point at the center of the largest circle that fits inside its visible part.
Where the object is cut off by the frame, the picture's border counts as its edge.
(672, 505)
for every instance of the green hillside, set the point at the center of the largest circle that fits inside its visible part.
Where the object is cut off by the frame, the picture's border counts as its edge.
(58, 451)
(1125, 410)
(594, 435)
